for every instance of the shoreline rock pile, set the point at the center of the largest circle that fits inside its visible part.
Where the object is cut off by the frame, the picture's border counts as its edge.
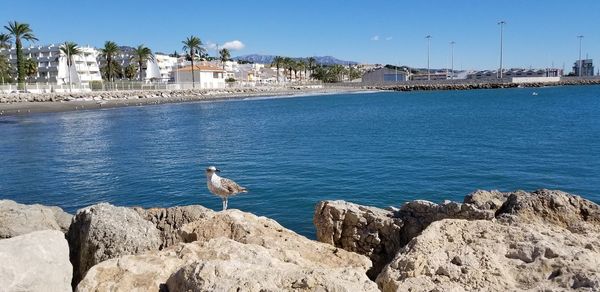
(99, 96)
(543, 240)
(493, 241)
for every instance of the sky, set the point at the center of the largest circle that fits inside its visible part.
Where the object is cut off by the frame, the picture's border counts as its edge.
(538, 34)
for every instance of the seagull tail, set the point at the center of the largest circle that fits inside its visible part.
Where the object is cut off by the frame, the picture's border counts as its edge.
(243, 190)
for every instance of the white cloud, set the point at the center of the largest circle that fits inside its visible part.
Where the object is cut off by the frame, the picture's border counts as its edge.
(388, 38)
(211, 46)
(375, 38)
(234, 45)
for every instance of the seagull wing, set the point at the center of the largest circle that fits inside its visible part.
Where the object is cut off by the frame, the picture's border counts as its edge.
(231, 186)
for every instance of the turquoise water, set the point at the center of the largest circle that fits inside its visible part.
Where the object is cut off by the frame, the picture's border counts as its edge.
(378, 149)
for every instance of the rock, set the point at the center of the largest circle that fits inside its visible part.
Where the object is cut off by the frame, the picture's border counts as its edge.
(418, 214)
(461, 255)
(554, 207)
(169, 220)
(486, 200)
(235, 250)
(366, 230)
(37, 261)
(227, 265)
(103, 231)
(18, 219)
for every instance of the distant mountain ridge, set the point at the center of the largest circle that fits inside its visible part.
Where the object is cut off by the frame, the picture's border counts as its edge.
(268, 59)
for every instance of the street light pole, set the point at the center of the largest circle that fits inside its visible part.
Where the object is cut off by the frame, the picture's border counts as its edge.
(580, 37)
(501, 23)
(428, 37)
(452, 60)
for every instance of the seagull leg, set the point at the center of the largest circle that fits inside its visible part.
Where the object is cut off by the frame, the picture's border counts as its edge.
(224, 204)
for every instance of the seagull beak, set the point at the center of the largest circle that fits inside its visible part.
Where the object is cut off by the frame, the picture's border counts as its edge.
(218, 170)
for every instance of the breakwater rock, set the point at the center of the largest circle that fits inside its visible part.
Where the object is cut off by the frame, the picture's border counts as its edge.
(468, 84)
(102, 96)
(492, 241)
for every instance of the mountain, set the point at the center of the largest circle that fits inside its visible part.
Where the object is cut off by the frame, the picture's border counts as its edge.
(268, 59)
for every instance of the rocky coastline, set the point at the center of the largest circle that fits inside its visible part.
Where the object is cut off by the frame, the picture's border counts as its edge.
(26, 103)
(544, 240)
(463, 85)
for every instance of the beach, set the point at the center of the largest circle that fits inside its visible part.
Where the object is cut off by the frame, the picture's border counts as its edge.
(29, 103)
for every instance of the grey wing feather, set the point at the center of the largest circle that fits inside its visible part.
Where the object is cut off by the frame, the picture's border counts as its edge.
(231, 186)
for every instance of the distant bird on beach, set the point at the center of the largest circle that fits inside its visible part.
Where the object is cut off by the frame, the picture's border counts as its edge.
(222, 187)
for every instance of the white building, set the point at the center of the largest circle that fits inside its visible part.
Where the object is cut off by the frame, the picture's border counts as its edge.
(206, 76)
(166, 64)
(52, 64)
(158, 69)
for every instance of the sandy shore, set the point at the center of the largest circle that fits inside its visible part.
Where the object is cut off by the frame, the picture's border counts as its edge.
(24, 108)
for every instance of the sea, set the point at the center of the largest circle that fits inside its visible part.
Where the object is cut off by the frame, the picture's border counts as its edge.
(380, 149)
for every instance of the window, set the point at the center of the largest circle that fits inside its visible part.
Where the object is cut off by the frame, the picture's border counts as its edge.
(215, 75)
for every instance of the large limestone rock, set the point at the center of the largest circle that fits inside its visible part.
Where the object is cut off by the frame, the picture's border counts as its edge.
(378, 233)
(17, 219)
(170, 220)
(37, 261)
(554, 207)
(232, 250)
(418, 214)
(365, 230)
(487, 200)
(460, 255)
(103, 231)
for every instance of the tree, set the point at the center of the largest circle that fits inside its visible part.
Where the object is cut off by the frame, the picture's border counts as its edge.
(130, 71)
(70, 49)
(277, 62)
(20, 31)
(31, 67)
(110, 50)
(289, 64)
(312, 62)
(5, 41)
(4, 69)
(115, 70)
(141, 55)
(224, 55)
(193, 45)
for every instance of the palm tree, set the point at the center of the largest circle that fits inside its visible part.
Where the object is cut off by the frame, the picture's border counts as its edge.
(31, 67)
(224, 56)
(20, 31)
(312, 62)
(277, 62)
(70, 49)
(129, 71)
(141, 55)
(5, 41)
(4, 68)
(112, 71)
(193, 45)
(110, 50)
(289, 64)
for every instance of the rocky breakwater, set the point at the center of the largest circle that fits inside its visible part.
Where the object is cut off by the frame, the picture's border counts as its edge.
(189, 248)
(100, 96)
(544, 240)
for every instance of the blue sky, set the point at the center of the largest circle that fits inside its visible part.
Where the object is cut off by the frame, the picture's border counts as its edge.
(538, 33)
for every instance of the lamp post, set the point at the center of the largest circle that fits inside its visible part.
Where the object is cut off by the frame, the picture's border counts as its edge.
(580, 37)
(428, 37)
(501, 23)
(452, 60)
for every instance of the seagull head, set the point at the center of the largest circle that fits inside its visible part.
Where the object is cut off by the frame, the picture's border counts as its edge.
(212, 169)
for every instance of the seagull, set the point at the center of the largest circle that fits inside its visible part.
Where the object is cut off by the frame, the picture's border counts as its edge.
(222, 187)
